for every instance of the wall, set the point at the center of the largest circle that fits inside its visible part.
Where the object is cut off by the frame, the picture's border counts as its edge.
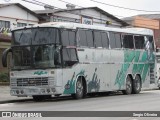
(16, 14)
(97, 17)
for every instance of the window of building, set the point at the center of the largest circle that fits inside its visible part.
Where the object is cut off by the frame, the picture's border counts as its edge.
(5, 24)
(21, 24)
(139, 42)
(128, 41)
(68, 38)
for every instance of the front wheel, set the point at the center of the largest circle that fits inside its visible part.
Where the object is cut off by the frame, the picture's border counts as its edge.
(136, 85)
(79, 89)
(128, 89)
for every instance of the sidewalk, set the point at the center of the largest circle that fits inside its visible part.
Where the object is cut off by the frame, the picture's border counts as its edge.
(6, 97)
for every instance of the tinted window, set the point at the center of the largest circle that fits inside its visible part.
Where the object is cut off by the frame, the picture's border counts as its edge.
(44, 36)
(97, 39)
(72, 38)
(68, 38)
(149, 44)
(69, 56)
(105, 41)
(118, 40)
(128, 41)
(112, 40)
(89, 37)
(139, 42)
(83, 38)
(64, 36)
(36, 36)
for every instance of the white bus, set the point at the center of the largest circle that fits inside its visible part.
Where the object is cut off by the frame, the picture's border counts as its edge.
(75, 59)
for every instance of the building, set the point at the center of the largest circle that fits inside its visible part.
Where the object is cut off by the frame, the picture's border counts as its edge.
(151, 21)
(89, 15)
(13, 15)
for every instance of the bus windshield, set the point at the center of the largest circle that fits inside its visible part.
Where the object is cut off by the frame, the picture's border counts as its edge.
(36, 48)
(40, 56)
(35, 36)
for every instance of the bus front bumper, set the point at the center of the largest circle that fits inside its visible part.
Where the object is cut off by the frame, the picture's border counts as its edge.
(30, 91)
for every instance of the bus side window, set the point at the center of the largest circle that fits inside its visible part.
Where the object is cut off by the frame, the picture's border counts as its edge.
(68, 38)
(83, 38)
(69, 56)
(112, 40)
(115, 40)
(128, 41)
(105, 40)
(139, 42)
(118, 40)
(89, 36)
(97, 39)
(149, 43)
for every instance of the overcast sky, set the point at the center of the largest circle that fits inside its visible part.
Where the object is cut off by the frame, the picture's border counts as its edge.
(148, 5)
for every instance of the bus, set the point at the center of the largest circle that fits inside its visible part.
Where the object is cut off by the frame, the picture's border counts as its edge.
(56, 58)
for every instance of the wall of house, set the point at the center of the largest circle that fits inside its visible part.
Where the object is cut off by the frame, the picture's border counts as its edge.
(92, 15)
(13, 14)
(145, 23)
(16, 14)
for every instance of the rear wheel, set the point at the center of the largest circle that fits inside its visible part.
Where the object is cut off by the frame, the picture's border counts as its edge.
(136, 85)
(79, 89)
(128, 89)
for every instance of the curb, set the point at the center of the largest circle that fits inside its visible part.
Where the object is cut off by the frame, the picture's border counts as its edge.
(13, 101)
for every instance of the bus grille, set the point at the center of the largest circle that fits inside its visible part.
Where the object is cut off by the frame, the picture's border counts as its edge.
(32, 81)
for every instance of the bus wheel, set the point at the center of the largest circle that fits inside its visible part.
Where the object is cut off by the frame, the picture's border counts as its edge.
(79, 89)
(136, 85)
(128, 86)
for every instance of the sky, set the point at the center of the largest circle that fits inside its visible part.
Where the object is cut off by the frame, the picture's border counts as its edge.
(147, 5)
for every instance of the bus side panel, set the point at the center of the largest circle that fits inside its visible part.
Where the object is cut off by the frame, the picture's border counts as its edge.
(103, 69)
(117, 71)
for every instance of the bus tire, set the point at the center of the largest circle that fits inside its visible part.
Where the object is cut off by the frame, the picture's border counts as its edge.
(79, 89)
(136, 85)
(128, 89)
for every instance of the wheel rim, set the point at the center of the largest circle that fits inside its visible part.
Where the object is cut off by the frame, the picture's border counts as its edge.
(129, 86)
(79, 87)
(137, 84)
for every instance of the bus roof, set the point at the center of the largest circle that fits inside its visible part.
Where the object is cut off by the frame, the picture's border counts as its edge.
(133, 30)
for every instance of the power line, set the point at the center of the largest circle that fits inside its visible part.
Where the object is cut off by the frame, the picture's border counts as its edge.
(122, 7)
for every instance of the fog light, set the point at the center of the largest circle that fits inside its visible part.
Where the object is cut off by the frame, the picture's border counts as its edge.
(22, 92)
(53, 90)
(12, 92)
(48, 90)
(17, 91)
(42, 90)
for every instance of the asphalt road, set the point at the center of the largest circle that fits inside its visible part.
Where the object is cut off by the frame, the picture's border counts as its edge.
(145, 101)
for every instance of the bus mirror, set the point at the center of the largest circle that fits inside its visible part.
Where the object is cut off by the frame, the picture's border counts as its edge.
(4, 56)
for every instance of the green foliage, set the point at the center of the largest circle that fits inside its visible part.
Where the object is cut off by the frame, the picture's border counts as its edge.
(4, 77)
